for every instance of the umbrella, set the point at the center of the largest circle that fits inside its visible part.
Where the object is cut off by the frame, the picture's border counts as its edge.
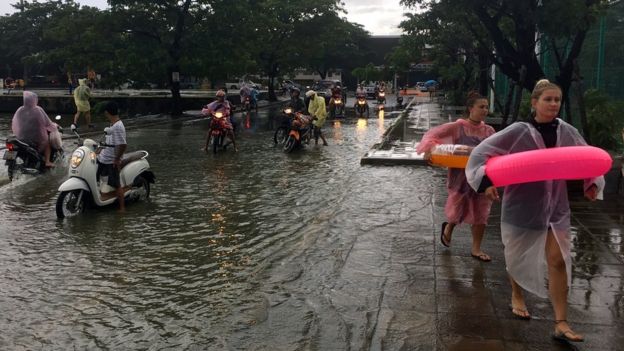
(431, 82)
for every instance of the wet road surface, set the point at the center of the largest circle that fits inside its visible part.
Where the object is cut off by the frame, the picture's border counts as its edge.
(259, 250)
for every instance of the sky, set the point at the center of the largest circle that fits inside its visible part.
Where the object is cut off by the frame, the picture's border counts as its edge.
(380, 17)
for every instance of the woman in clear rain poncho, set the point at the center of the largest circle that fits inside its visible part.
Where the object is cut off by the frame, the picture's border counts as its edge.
(535, 218)
(32, 125)
(463, 204)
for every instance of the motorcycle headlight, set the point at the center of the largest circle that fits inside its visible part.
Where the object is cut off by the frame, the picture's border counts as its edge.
(288, 111)
(218, 114)
(76, 158)
(338, 101)
(382, 94)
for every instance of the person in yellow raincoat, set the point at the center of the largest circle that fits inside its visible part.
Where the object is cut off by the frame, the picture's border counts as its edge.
(316, 109)
(81, 98)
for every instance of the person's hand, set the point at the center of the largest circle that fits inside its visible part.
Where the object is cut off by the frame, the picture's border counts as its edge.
(117, 163)
(492, 193)
(427, 156)
(591, 193)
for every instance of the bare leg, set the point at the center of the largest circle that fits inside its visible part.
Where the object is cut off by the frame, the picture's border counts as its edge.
(88, 118)
(207, 141)
(558, 287)
(478, 231)
(323, 138)
(448, 232)
(46, 153)
(120, 199)
(76, 116)
(517, 300)
(233, 138)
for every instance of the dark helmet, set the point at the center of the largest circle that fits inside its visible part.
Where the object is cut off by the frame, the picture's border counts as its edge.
(294, 90)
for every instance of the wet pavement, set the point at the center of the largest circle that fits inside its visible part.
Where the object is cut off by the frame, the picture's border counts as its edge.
(261, 250)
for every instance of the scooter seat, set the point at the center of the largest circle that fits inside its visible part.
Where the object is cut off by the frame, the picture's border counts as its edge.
(132, 156)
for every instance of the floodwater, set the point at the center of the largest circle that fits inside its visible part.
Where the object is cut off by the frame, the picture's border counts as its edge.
(242, 250)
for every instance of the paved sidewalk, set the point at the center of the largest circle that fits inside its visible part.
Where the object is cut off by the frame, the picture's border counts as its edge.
(466, 301)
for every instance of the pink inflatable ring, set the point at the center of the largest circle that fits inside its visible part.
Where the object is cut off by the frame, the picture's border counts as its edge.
(568, 162)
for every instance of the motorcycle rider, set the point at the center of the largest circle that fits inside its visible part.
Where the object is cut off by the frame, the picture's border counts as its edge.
(109, 158)
(336, 94)
(32, 125)
(360, 92)
(318, 113)
(245, 92)
(296, 102)
(220, 105)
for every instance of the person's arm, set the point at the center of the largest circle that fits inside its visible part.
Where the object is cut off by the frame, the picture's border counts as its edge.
(119, 140)
(443, 134)
(501, 143)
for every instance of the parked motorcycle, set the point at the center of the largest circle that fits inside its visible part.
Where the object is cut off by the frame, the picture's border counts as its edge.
(25, 159)
(300, 132)
(361, 106)
(82, 189)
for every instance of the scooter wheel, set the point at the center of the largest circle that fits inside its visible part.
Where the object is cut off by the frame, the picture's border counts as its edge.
(70, 203)
(289, 145)
(141, 188)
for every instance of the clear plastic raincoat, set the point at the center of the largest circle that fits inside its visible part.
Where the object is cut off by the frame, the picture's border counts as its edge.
(31, 124)
(529, 209)
(463, 204)
(82, 94)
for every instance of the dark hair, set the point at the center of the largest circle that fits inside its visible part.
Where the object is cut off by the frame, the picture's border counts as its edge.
(112, 108)
(471, 100)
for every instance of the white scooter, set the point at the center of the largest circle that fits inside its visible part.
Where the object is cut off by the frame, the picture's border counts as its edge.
(82, 188)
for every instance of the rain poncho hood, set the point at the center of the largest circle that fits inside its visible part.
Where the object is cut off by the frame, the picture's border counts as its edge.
(317, 109)
(82, 94)
(529, 209)
(463, 204)
(31, 124)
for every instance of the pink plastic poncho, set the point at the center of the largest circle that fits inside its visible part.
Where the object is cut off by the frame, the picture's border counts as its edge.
(463, 203)
(31, 124)
(529, 209)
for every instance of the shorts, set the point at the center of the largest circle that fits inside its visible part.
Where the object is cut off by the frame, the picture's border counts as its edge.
(109, 170)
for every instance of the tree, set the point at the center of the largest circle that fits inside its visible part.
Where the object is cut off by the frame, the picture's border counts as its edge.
(512, 28)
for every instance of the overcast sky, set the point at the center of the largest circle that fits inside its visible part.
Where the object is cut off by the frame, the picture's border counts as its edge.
(380, 17)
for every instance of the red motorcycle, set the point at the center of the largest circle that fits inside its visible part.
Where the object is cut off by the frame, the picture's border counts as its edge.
(220, 127)
(300, 132)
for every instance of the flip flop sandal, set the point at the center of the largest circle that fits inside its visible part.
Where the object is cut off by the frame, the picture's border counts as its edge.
(442, 237)
(563, 336)
(515, 311)
(482, 257)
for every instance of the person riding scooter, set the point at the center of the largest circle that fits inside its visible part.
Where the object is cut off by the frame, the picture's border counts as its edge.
(220, 105)
(32, 126)
(109, 158)
(296, 102)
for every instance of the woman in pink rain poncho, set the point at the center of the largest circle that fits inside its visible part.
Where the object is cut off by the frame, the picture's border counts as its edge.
(535, 217)
(32, 125)
(463, 204)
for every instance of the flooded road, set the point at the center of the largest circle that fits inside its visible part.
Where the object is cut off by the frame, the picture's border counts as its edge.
(206, 262)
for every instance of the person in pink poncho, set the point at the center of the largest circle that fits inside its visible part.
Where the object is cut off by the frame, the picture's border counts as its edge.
(32, 125)
(463, 204)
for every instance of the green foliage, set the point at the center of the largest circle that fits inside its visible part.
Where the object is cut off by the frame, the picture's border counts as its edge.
(604, 119)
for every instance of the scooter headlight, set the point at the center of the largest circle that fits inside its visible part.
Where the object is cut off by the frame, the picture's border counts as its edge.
(76, 158)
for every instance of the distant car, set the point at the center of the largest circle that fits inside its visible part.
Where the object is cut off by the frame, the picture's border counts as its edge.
(237, 86)
(323, 88)
(422, 87)
(287, 85)
(370, 91)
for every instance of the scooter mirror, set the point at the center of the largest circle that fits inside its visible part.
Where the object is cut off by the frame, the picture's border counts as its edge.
(58, 117)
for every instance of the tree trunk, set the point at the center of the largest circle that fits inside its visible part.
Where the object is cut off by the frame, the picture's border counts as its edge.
(578, 83)
(508, 103)
(518, 99)
(272, 96)
(484, 79)
(176, 98)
